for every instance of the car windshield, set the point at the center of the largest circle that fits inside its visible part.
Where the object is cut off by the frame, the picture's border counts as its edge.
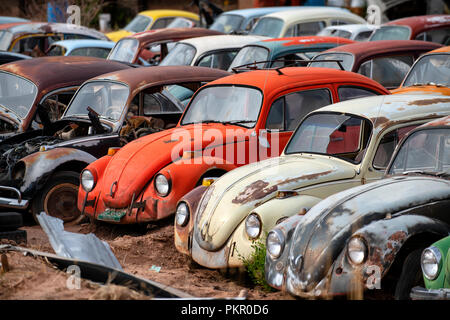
(180, 22)
(269, 27)
(331, 134)
(124, 50)
(181, 55)
(335, 33)
(17, 94)
(106, 98)
(345, 58)
(225, 104)
(138, 24)
(425, 150)
(250, 54)
(178, 94)
(5, 40)
(391, 33)
(227, 23)
(433, 68)
(56, 50)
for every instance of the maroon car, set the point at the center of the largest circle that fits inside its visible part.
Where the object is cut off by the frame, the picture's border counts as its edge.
(385, 61)
(434, 28)
(48, 82)
(150, 47)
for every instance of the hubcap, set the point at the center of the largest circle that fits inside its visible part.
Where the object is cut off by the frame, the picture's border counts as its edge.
(61, 202)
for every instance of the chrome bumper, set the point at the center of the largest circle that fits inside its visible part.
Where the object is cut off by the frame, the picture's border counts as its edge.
(419, 293)
(14, 203)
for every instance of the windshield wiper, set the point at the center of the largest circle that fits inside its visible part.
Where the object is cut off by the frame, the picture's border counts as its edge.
(239, 122)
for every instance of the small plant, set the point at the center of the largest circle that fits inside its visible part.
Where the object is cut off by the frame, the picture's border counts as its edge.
(254, 264)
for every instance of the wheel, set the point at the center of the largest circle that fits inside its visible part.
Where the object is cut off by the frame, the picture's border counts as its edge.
(10, 221)
(410, 277)
(59, 197)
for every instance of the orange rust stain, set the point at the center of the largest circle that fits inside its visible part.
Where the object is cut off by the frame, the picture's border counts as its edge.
(305, 177)
(254, 191)
(57, 153)
(427, 102)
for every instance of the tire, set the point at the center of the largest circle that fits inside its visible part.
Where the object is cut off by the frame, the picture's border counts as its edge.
(10, 221)
(59, 197)
(18, 236)
(410, 276)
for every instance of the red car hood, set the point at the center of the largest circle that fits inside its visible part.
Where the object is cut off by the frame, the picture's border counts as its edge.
(133, 166)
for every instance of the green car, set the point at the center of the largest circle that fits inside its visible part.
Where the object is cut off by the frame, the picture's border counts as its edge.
(435, 262)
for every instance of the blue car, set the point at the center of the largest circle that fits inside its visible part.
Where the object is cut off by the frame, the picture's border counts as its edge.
(242, 20)
(89, 48)
(4, 19)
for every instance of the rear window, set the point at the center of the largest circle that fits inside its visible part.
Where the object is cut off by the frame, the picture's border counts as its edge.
(391, 33)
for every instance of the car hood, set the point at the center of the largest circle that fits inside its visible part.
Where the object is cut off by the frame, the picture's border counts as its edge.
(117, 35)
(425, 89)
(324, 232)
(238, 192)
(135, 165)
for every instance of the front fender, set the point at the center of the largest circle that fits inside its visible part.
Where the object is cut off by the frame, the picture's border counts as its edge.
(384, 238)
(39, 166)
(183, 234)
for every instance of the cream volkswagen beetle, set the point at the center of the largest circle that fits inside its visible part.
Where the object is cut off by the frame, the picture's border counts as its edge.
(334, 148)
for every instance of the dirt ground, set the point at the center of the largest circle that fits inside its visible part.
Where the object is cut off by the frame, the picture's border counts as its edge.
(137, 249)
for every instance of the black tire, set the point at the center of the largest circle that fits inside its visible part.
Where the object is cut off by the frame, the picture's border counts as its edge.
(410, 276)
(59, 197)
(10, 221)
(18, 236)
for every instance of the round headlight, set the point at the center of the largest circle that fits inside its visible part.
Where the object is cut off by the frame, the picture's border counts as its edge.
(431, 257)
(253, 226)
(162, 185)
(87, 180)
(182, 214)
(275, 244)
(356, 250)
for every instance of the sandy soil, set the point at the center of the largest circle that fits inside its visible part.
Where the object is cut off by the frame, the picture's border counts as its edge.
(137, 249)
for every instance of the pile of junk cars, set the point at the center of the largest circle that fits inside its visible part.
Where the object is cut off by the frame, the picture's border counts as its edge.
(332, 153)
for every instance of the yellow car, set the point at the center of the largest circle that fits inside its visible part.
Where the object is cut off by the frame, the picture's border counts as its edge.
(151, 20)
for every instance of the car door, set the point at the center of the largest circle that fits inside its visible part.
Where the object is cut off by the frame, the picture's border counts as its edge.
(285, 114)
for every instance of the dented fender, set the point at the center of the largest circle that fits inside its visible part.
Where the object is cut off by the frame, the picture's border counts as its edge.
(39, 166)
(384, 239)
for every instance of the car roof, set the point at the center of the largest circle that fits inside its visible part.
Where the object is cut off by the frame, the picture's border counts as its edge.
(270, 79)
(50, 73)
(354, 27)
(140, 78)
(208, 43)
(7, 19)
(84, 43)
(161, 13)
(308, 13)
(441, 122)
(308, 42)
(255, 12)
(47, 27)
(384, 111)
(363, 50)
(171, 34)
(421, 23)
(445, 49)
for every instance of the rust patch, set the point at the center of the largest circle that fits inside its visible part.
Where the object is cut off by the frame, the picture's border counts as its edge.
(255, 191)
(398, 236)
(305, 177)
(427, 102)
(58, 153)
(380, 121)
(400, 109)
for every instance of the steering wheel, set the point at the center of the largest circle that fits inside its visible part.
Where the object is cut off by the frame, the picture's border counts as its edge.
(112, 112)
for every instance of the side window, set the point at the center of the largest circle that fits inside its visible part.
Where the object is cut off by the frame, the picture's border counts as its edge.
(275, 119)
(441, 35)
(363, 36)
(387, 146)
(251, 23)
(348, 93)
(295, 106)
(34, 46)
(56, 104)
(151, 104)
(388, 71)
(309, 28)
(161, 23)
(217, 60)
